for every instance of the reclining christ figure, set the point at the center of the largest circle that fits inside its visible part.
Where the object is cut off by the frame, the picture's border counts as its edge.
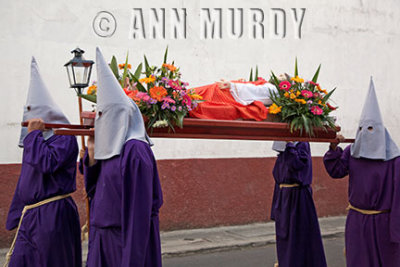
(231, 100)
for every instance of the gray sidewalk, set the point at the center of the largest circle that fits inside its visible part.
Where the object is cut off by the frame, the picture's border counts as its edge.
(183, 242)
(224, 238)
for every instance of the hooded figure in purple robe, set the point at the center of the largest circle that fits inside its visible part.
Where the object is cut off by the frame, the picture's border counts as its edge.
(122, 182)
(373, 165)
(49, 234)
(298, 237)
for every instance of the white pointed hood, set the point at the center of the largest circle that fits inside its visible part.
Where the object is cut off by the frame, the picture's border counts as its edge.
(40, 104)
(373, 141)
(118, 118)
(279, 146)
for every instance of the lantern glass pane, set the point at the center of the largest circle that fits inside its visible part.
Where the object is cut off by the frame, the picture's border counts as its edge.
(85, 75)
(70, 75)
(80, 75)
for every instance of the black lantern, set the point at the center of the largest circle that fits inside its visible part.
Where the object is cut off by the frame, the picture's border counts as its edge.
(79, 70)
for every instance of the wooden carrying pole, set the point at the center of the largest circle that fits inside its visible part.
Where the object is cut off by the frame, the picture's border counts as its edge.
(215, 129)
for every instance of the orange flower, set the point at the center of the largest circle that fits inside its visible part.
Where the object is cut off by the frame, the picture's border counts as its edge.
(92, 90)
(286, 95)
(321, 90)
(158, 92)
(169, 66)
(122, 66)
(132, 94)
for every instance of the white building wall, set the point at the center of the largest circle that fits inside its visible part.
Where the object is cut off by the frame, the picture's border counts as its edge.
(351, 39)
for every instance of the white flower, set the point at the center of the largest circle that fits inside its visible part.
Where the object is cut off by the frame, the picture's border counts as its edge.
(160, 124)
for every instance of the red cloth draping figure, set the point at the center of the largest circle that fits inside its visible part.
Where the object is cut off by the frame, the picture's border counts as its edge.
(239, 100)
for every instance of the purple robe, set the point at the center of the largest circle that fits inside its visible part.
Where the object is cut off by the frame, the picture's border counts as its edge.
(371, 240)
(125, 197)
(298, 237)
(50, 234)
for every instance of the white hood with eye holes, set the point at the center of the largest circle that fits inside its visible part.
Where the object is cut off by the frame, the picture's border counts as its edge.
(373, 141)
(118, 118)
(40, 104)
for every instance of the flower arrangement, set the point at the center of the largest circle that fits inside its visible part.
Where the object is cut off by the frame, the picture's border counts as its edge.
(302, 104)
(161, 95)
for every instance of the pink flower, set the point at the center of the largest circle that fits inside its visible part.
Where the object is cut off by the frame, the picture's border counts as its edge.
(317, 95)
(174, 84)
(313, 83)
(168, 99)
(187, 101)
(306, 93)
(316, 110)
(285, 85)
(143, 96)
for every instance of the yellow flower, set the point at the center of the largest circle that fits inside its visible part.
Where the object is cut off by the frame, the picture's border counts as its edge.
(292, 96)
(297, 79)
(286, 95)
(298, 93)
(146, 80)
(320, 102)
(301, 101)
(196, 97)
(274, 109)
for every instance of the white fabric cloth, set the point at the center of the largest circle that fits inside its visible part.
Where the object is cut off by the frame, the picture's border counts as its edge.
(373, 141)
(118, 118)
(247, 93)
(40, 104)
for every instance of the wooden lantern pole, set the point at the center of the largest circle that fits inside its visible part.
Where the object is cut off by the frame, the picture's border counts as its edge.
(81, 121)
(87, 224)
(78, 81)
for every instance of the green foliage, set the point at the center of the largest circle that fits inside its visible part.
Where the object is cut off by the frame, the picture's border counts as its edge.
(91, 98)
(251, 75)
